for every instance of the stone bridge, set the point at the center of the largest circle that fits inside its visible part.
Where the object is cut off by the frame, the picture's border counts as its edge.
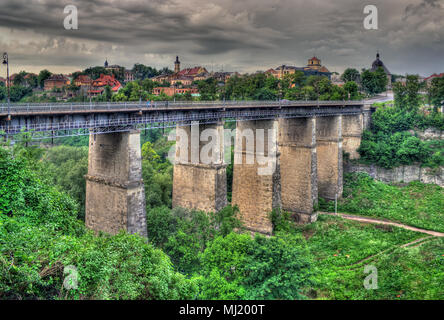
(308, 141)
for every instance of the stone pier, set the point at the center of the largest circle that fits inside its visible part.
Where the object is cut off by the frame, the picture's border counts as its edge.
(352, 128)
(256, 173)
(200, 175)
(115, 194)
(329, 152)
(298, 167)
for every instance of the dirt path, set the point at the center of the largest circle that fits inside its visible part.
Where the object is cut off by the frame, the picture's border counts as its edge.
(383, 222)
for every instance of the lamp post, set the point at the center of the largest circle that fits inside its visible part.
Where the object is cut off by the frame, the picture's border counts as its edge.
(6, 62)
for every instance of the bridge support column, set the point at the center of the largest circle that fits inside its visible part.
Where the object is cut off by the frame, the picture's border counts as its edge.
(329, 151)
(298, 167)
(115, 194)
(256, 173)
(352, 128)
(200, 174)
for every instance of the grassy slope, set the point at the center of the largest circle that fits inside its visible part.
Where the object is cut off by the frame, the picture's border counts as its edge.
(415, 204)
(339, 245)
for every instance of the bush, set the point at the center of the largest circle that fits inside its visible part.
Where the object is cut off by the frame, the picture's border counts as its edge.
(239, 267)
(390, 144)
(40, 235)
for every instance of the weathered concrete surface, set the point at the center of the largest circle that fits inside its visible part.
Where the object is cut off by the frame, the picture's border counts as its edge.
(115, 194)
(352, 128)
(400, 174)
(256, 190)
(200, 177)
(329, 155)
(298, 167)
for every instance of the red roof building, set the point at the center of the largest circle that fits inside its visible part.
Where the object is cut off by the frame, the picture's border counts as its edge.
(428, 80)
(191, 72)
(98, 85)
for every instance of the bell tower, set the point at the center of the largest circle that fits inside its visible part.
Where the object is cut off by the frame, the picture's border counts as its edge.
(177, 65)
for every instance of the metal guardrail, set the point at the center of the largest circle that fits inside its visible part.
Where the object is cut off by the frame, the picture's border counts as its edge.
(86, 106)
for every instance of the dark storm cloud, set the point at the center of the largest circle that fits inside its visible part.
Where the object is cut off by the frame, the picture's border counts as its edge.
(246, 35)
(412, 9)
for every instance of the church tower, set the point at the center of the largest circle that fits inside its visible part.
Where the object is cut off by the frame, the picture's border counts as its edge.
(177, 65)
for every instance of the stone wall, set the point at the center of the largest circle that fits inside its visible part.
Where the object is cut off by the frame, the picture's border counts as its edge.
(400, 174)
(430, 134)
(352, 128)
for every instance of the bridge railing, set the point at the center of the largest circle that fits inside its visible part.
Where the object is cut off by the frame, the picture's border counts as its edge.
(85, 106)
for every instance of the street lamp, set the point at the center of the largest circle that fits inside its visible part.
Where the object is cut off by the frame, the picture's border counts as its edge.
(8, 83)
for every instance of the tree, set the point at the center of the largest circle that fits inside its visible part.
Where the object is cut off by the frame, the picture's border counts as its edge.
(208, 89)
(43, 75)
(350, 74)
(374, 82)
(19, 79)
(407, 95)
(95, 72)
(436, 93)
(107, 93)
(351, 88)
(148, 85)
(142, 72)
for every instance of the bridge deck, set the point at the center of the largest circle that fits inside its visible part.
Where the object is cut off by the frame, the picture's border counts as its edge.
(115, 117)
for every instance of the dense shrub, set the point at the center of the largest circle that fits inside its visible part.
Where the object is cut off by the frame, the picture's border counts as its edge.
(184, 234)
(239, 267)
(391, 143)
(40, 235)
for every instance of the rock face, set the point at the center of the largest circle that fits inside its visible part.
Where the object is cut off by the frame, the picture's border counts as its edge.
(400, 174)
(430, 134)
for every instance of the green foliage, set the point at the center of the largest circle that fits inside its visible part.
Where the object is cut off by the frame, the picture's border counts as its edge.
(66, 167)
(43, 236)
(374, 82)
(184, 234)
(33, 258)
(390, 142)
(416, 204)
(350, 75)
(208, 89)
(25, 195)
(239, 267)
(407, 95)
(342, 248)
(436, 92)
(18, 92)
(142, 72)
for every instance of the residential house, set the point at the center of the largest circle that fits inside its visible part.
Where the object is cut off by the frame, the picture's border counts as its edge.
(171, 91)
(313, 68)
(56, 81)
(429, 80)
(98, 85)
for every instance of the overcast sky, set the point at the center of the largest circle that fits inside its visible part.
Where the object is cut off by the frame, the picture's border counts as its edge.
(246, 36)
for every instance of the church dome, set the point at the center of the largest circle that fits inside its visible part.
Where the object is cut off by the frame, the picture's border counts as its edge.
(379, 64)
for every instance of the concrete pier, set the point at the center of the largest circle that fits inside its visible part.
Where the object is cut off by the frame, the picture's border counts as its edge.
(115, 194)
(200, 174)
